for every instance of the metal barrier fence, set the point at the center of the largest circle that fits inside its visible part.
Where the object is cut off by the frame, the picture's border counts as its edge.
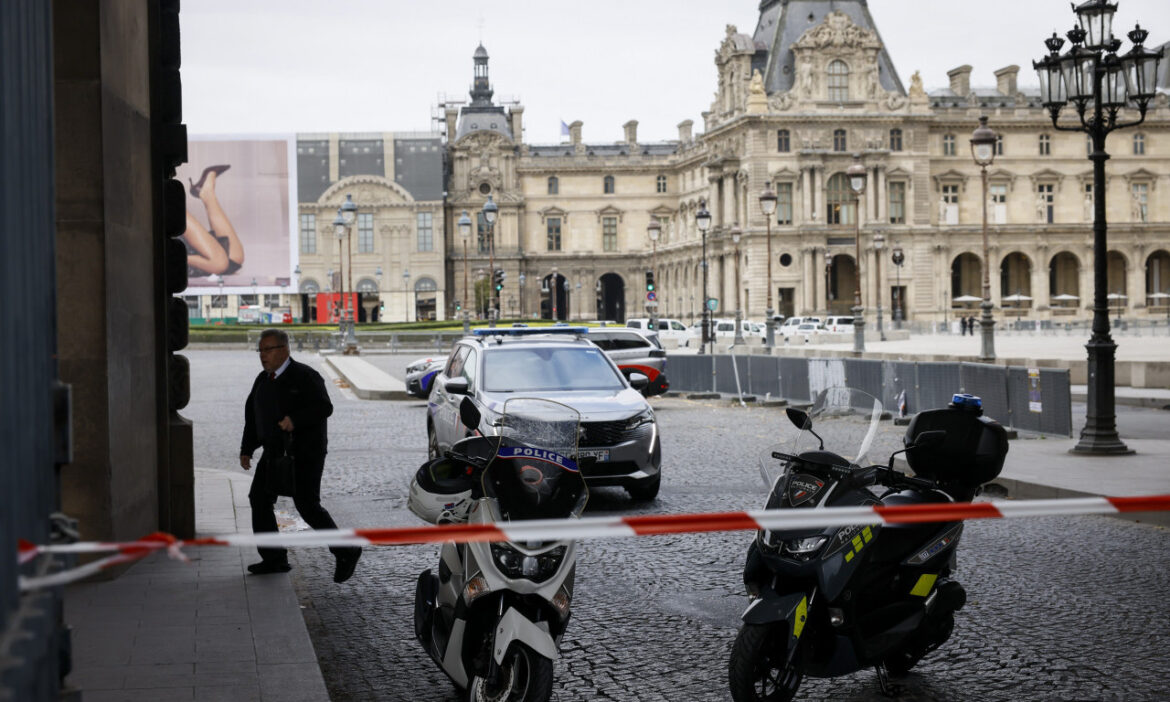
(1037, 400)
(315, 340)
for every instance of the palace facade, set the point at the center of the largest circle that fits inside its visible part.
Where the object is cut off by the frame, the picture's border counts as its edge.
(797, 101)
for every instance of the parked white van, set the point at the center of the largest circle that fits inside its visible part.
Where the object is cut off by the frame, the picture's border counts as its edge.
(788, 328)
(839, 324)
(667, 328)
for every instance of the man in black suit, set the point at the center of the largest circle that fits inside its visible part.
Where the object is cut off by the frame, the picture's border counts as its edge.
(288, 398)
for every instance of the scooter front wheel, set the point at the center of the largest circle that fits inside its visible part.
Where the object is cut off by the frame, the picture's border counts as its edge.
(524, 676)
(759, 669)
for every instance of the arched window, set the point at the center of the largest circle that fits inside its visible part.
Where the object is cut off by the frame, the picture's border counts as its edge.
(365, 285)
(554, 185)
(840, 143)
(607, 185)
(425, 285)
(310, 287)
(838, 81)
(840, 201)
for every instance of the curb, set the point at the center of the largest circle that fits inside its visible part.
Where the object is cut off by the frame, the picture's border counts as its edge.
(367, 394)
(1152, 402)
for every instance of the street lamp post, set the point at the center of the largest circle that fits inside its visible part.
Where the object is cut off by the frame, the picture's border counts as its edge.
(378, 279)
(552, 293)
(856, 173)
(983, 151)
(703, 220)
(406, 293)
(879, 242)
(1099, 83)
(768, 206)
(898, 257)
(522, 279)
(490, 210)
(465, 234)
(349, 215)
(828, 283)
(568, 309)
(736, 233)
(653, 230)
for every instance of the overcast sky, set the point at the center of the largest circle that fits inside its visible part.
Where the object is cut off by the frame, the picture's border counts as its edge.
(271, 66)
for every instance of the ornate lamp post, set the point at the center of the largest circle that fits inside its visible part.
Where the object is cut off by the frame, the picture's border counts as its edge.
(522, 279)
(703, 221)
(653, 230)
(736, 233)
(768, 206)
(490, 210)
(983, 151)
(879, 243)
(856, 173)
(378, 279)
(898, 257)
(343, 228)
(406, 293)
(566, 286)
(465, 234)
(1099, 83)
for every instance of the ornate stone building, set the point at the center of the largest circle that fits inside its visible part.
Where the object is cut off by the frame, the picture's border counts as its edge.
(795, 101)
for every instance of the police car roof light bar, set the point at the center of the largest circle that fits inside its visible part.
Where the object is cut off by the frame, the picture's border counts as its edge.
(529, 331)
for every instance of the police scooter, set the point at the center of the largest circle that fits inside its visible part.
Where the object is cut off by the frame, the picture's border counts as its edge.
(831, 601)
(493, 615)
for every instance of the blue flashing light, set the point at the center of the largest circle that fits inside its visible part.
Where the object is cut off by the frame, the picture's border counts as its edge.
(528, 331)
(966, 401)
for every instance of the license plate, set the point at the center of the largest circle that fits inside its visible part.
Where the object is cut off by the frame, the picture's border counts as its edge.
(595, 454)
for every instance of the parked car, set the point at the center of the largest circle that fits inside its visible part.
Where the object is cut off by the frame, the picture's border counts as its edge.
(667, 328)
(635, 352)
(619, 442)
(838, 324)
(788, 328)
(420, 375)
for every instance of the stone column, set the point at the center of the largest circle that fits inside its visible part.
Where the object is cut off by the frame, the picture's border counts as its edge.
(883, 198)
(805, 194)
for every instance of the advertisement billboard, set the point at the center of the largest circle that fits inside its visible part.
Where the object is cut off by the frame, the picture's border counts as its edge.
(240, 212)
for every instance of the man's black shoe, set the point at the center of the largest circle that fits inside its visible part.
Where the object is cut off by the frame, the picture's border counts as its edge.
(345, 565)
(266, 567)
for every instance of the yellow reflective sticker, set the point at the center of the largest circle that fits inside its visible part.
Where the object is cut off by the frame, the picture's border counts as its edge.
(924, 585)
(848, 556)
(867, 534)
(801, 616)
(857, 543)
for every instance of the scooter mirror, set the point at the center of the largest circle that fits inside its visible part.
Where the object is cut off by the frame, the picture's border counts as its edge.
(799, 418)
(469, 414)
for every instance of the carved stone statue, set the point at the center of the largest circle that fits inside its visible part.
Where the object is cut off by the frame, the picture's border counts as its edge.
(1135, 208)
(757, 85)
(1088, 211)
(807, 79)
(942, 210)
(874, 82)
(916, 89)
(757, 98)
(1041, 209)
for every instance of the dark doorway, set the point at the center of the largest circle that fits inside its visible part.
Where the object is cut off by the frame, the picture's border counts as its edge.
(554, 302)
(611, 294)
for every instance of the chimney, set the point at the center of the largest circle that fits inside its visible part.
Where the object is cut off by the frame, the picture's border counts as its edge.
(1005, 80)
(575, 136)
(516, 115)
(631, 128)
(452, 115)
(960, 80)
(684, 131)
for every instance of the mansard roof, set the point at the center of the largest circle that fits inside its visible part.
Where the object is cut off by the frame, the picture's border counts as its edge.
(783, 22)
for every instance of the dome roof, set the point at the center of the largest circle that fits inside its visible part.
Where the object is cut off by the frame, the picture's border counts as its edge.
(480, 52)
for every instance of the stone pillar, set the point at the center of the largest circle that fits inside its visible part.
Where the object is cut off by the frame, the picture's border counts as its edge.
(817, 193)
(805, 195)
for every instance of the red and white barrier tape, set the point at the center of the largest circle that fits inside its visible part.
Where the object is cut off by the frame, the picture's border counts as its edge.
(593, 528)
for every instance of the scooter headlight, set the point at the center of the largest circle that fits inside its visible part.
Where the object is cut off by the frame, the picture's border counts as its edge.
(804, 549)
(537, 568)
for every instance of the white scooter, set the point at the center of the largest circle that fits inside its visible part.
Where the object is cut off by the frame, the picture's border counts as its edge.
(493, 616)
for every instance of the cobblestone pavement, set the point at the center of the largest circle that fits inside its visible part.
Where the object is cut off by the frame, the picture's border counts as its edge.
(1060, 608)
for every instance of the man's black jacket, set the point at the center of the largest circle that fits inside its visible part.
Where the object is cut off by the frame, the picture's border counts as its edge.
(300, 394)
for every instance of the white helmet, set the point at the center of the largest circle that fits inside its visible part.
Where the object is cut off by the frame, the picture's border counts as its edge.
(441, 491)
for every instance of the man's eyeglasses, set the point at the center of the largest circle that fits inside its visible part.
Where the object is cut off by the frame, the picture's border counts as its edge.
(262, 349)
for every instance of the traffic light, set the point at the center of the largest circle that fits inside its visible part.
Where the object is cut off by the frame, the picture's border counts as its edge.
(458, 306)
(498, 279)
(649, 281)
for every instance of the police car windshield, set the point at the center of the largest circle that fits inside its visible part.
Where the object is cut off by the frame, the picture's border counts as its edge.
(551, 368)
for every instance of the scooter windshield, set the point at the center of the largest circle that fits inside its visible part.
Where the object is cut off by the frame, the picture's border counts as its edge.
(842, 421)
(532, 476)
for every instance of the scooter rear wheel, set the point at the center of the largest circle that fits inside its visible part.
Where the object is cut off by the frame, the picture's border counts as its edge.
(759, 669)
(525, 676)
